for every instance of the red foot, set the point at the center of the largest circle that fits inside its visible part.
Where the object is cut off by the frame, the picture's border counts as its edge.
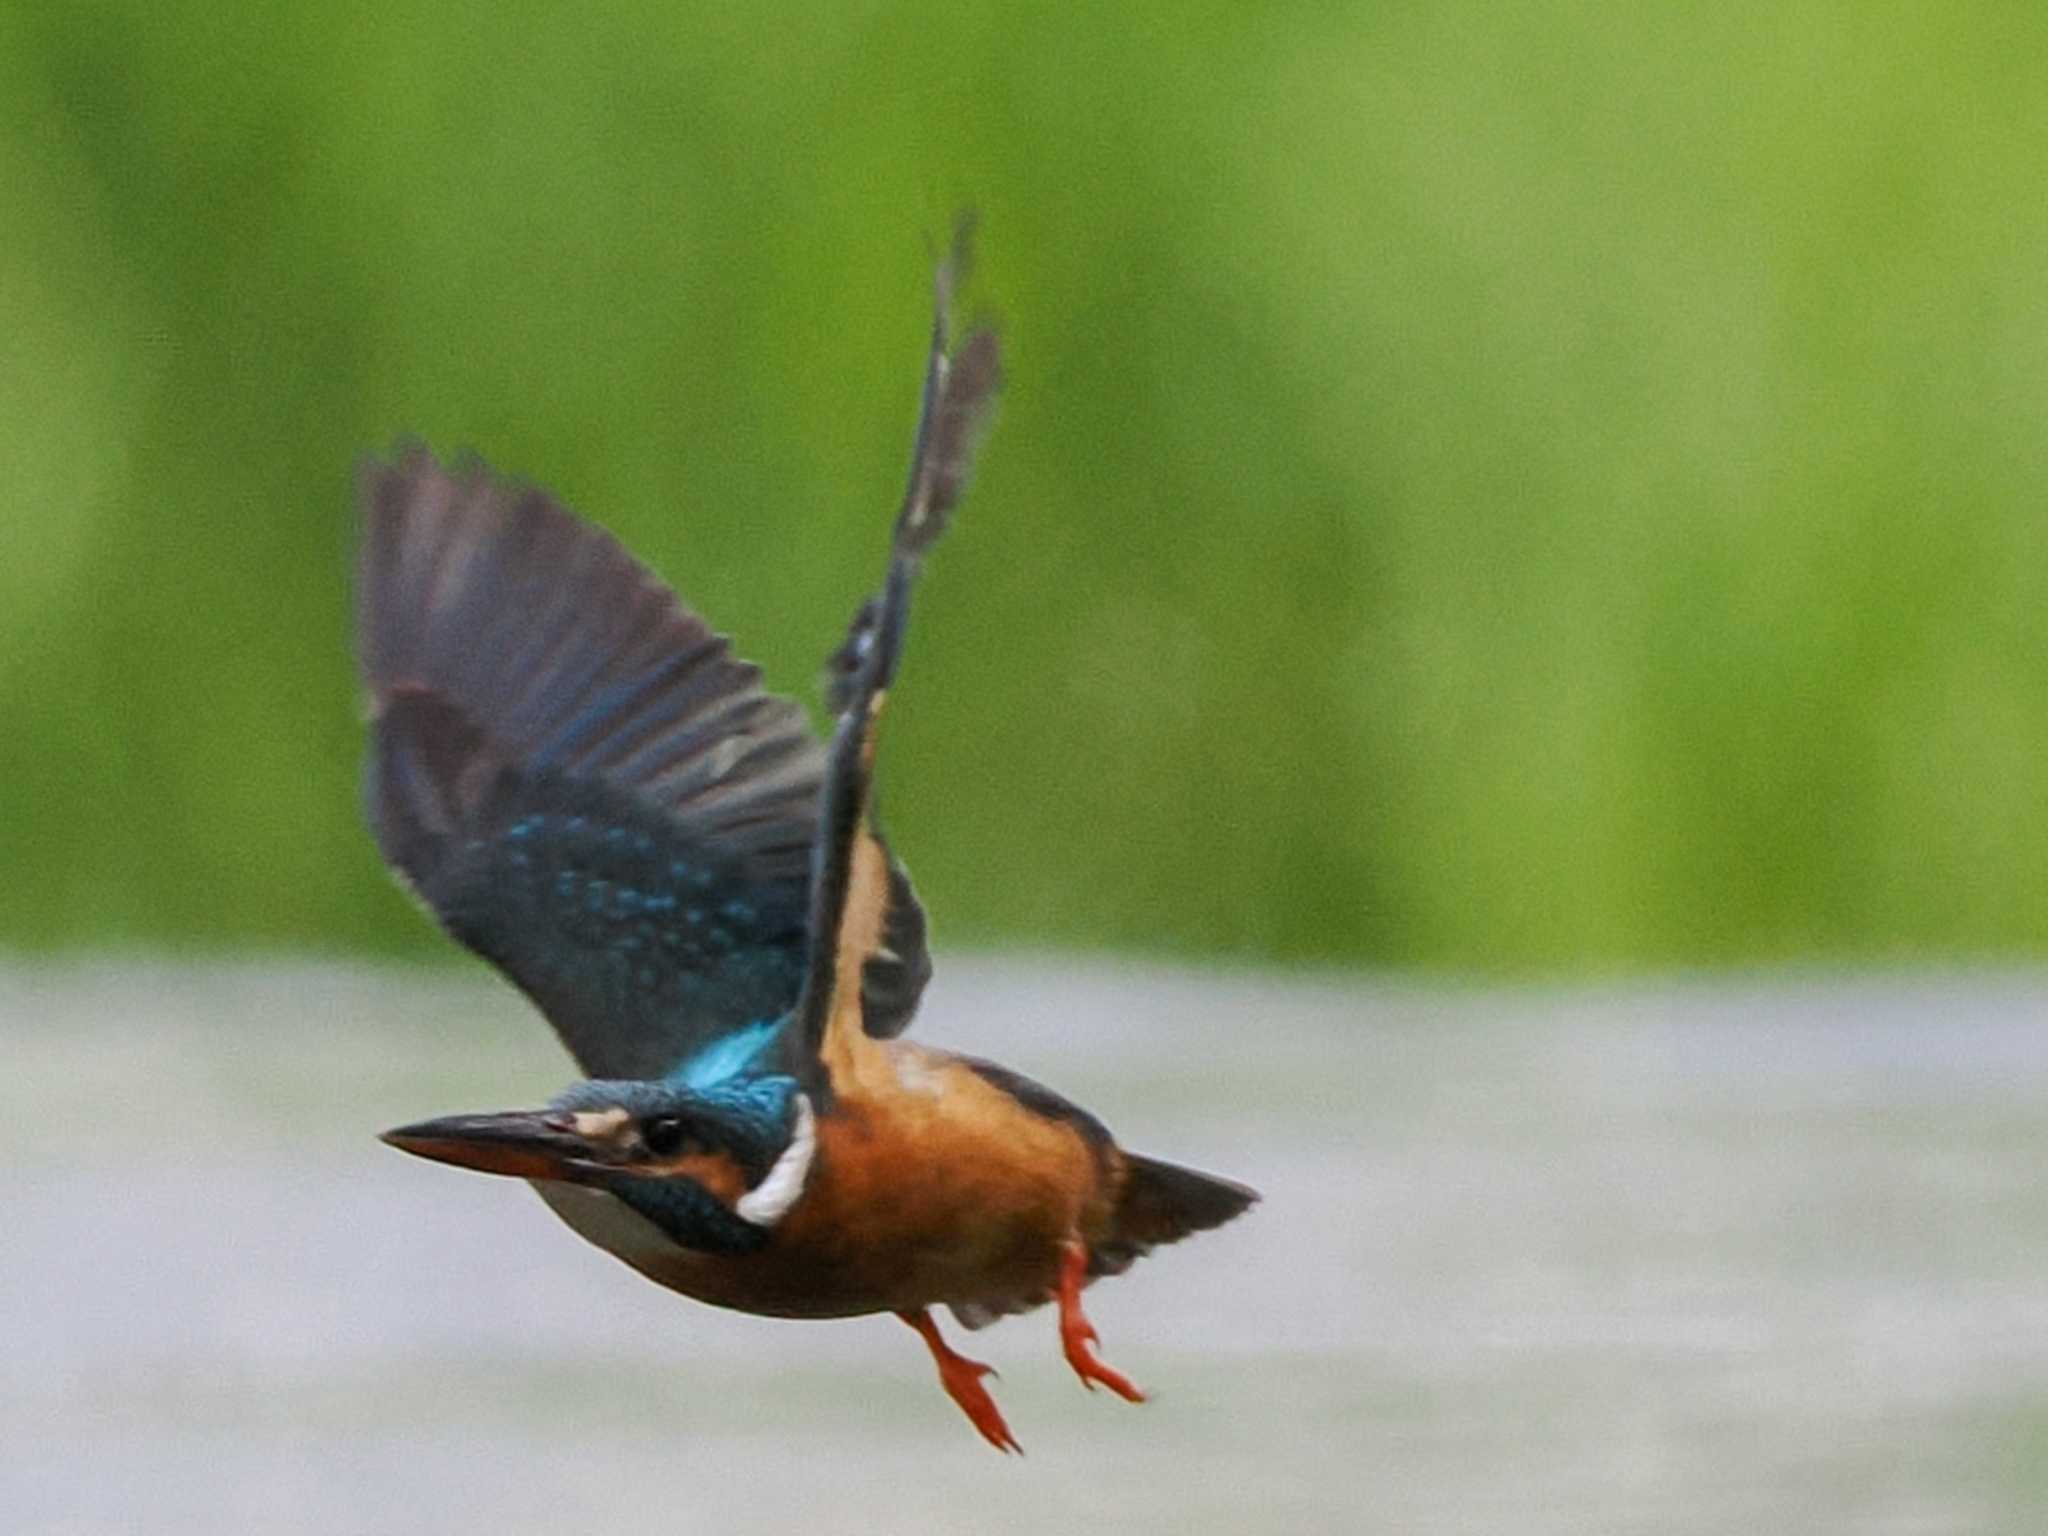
(1077, 1333)
(961, 1377)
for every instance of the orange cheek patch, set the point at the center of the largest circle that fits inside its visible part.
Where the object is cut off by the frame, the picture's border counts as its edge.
(716, 1172)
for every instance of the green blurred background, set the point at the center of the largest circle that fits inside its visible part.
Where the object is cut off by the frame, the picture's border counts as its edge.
(1504, 488)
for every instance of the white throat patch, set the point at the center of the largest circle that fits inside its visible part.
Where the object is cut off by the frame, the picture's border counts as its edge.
(769, 1201)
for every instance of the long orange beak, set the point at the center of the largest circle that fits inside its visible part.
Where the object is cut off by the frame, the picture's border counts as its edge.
(525, 1144)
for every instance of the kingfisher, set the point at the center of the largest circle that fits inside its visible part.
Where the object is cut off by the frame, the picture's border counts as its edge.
(582, 784)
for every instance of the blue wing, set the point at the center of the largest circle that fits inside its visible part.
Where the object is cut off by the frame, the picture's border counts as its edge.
(583, 783)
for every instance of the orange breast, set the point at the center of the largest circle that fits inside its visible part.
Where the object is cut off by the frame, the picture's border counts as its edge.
(931, 1186)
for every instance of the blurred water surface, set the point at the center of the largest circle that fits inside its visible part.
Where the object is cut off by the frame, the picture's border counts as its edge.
(1672, 1259)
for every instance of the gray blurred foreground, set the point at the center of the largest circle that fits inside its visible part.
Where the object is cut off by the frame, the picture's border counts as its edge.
(1754, 1257)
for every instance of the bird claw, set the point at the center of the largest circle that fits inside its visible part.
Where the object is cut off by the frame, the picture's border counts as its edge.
(1077, 1333)
(961, 1377)
(962, 1382)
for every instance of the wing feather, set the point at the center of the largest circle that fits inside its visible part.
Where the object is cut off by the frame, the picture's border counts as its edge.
(851, 931)
(546, 717)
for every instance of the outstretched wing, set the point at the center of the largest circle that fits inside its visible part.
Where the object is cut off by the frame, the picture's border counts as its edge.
(579, 778)
(854, 921)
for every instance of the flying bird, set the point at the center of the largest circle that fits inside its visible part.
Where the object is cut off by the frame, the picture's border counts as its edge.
(584, 786)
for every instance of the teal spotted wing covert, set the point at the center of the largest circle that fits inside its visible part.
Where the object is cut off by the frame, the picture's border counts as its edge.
(583, 783)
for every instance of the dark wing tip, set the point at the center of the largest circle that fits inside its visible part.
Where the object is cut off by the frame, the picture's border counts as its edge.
(964, 409)
(430, 770)
(960, 384)
(568, 652)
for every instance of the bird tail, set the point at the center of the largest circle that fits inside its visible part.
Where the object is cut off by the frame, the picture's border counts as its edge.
(1161, 1203)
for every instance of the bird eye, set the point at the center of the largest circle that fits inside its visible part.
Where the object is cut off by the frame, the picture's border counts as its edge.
(664, 1137)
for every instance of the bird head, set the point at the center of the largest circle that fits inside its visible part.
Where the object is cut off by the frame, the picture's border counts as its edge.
(716, 1165)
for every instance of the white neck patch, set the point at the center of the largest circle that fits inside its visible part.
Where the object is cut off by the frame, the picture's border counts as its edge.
(769, 1201)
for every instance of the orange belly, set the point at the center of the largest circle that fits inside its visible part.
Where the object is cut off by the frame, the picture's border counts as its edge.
(931, 1186)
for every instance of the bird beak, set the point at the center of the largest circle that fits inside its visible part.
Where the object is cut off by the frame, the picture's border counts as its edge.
(527, 1144)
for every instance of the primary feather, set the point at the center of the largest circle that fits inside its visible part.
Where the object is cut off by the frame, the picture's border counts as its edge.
(585, 785)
